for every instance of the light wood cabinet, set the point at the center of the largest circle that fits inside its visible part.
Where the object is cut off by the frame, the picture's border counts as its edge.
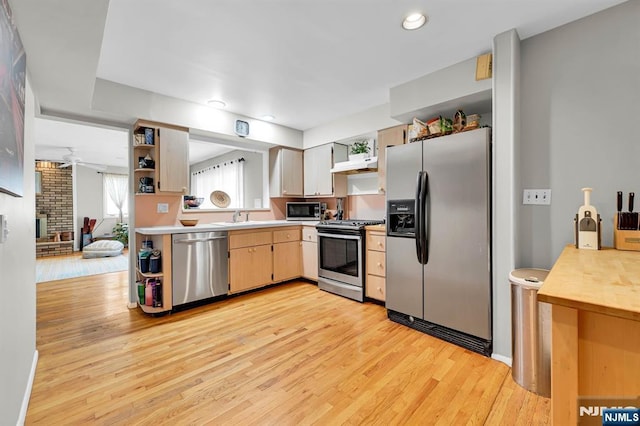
(287, 261)
(318, 179)
(285, 172)
(249, 238)
(286, 235)
(259, 257)
(250, 259)
(249, 267)
(388, 137)
(375, 286)
(310, 253)
(160, 280)
(168, 147)
(174, 160)
(287, 254)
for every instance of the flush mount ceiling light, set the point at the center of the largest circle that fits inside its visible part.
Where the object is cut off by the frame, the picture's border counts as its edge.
(268, 117)
(414, 21)
(216, 104)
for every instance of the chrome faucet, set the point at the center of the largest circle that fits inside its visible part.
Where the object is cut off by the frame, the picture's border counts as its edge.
(236, 215)
(247, 220)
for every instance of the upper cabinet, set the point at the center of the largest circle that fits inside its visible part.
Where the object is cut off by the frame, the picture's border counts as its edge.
(392, 136)
(285, 172)
(318, 179)
(161, 158)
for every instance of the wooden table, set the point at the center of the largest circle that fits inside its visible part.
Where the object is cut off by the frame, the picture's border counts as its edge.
(595, 350)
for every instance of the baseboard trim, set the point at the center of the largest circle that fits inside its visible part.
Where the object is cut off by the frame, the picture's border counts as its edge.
(502, 358)
(27, 391)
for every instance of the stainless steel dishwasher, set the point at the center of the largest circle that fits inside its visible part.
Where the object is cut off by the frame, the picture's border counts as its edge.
(199, 266)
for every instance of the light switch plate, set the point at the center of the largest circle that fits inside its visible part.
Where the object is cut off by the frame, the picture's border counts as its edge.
(163, 208)
(536, 196)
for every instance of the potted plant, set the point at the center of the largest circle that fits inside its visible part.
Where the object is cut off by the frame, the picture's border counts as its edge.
(121, 233)
(359, 150)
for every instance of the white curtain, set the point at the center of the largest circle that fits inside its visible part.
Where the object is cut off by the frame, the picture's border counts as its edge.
(117, 187)
(227, 176)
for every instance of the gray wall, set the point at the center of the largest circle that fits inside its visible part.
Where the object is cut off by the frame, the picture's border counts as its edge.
(506, 137)
(17, 285)
(580, 93)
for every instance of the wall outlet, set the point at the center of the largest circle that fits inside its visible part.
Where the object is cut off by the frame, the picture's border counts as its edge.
(536, 196)
(163, 208)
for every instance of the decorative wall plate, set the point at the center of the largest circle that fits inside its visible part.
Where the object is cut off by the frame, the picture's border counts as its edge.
(220, 199)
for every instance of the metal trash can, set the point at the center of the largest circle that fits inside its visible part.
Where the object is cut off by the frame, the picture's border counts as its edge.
(530, 332)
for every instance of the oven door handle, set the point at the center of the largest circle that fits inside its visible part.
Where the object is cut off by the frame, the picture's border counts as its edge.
(339, 236)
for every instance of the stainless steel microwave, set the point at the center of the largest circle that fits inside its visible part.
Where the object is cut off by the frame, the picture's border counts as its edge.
(305, 211)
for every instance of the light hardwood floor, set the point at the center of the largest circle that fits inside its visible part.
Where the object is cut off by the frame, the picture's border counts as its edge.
(288, 355)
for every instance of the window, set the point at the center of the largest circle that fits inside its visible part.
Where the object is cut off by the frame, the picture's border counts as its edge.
(227, 176)
(115, 194)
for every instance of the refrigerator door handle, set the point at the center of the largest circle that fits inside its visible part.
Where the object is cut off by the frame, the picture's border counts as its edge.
(418, 217)
(424, 219)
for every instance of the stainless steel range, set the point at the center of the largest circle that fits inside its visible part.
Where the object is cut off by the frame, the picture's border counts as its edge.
(341, 257)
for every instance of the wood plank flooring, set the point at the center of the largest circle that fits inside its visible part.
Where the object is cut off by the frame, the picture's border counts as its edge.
(288, 355)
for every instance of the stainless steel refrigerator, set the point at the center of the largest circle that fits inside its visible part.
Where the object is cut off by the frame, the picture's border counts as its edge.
(439, 237)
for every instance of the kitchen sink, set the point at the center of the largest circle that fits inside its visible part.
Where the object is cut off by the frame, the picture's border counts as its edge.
(243, 224)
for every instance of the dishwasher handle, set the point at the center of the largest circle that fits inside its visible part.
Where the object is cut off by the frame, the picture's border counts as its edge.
(199, 240)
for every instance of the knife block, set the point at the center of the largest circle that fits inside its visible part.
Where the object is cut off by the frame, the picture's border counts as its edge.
(623, 239)
(598, 232)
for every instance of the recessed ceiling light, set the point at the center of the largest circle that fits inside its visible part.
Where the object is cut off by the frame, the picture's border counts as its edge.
(268, 117)
(414, 21)
(216, 103)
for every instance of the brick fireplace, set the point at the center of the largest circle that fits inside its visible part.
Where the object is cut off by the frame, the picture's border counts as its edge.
(54, 209)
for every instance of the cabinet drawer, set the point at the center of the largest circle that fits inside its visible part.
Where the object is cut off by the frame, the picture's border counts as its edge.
(375, 241)
(309, 234)
(376, 263)
(248, 239)
(376, 287)
(288, 234)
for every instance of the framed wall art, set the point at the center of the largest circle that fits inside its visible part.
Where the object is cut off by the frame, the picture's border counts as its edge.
(13, 67)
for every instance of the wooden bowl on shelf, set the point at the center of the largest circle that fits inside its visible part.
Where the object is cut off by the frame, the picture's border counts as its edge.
(189, 222)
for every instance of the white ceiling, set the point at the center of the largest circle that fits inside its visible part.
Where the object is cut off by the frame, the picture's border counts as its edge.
(307, 62)
(93, 144)
(102, 145)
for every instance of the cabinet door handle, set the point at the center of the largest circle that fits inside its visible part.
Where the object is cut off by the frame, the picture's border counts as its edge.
(379, 265)
(379, 244)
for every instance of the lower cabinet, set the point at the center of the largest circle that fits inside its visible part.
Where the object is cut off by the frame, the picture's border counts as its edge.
(376, 263)
(287, 261)
(310, 253)
(261, 257)
(249, 267)
(250, 259)
(287, 256)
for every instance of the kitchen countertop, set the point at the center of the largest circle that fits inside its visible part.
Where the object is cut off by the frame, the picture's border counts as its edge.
(219, 226)
(604, 281)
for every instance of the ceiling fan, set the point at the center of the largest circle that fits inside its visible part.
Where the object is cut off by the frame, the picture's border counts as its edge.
(72, 159)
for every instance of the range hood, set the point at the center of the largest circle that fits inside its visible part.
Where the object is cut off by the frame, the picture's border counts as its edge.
(364, 165)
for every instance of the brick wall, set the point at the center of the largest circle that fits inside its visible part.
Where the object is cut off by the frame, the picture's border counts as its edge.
(56, 201)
